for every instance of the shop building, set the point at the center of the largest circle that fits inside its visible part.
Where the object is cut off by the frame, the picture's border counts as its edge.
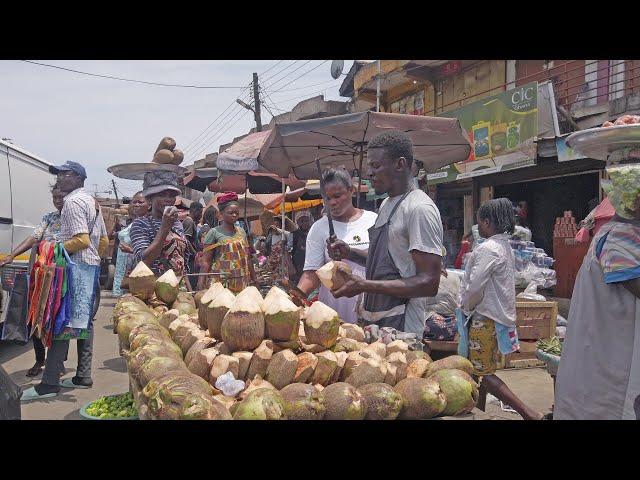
(517, 114)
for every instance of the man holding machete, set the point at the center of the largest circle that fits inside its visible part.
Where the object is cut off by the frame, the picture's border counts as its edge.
(404, 259)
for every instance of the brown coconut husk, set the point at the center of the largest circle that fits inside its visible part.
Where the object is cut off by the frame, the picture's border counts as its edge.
(282, 369)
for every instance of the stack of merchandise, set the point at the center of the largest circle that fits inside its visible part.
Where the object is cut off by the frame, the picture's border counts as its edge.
(218, 356)
(532, 265)
(565, 226)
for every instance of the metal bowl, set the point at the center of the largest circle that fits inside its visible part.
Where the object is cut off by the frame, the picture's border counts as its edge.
(136, 171)
(612, 144)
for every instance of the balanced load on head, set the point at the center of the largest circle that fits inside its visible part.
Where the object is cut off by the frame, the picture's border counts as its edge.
(167, 153)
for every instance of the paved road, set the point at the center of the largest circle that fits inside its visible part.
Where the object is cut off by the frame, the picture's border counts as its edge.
(109, 371)
(533, 385)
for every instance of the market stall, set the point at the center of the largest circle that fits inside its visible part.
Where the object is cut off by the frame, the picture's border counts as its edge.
(218, 356)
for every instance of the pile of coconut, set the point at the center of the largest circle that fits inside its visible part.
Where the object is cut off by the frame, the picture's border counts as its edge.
(288, 362)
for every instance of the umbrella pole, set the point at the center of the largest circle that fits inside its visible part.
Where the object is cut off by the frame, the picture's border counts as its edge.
(246, 193)
(359, 177)
(284, 240)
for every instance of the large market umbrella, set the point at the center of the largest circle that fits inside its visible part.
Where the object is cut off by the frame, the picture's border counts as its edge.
(292, 148)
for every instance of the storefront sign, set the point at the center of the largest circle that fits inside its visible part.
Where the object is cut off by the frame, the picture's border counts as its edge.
(502, 129)
(565, 152)
(411, 104)
(451, 68)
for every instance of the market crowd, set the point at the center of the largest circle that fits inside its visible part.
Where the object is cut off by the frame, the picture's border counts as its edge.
(398, 281)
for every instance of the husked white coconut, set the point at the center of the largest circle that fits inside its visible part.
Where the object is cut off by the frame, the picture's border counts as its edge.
(330, 274)
(282, 318)
(216, 310)
(321, 325)
(243, 326)
(166, 287)
(142, 281)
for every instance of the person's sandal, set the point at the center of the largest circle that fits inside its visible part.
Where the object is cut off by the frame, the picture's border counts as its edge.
(35, 370)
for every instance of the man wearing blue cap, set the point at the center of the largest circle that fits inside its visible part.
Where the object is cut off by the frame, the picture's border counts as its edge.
(84, 236)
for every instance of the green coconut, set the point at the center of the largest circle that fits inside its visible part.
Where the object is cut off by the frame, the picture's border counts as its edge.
(142, 281)
(303, 402)
(460, 390)
(422, 398)
(321, 325)
(185, 304)
(383, 402)
(281, 318)
(261, 404)
(166, 287)
(127, 322)
(127, 304)
(157, 366)
(143, 354)
(343, 402)
(243, 325)
(169, 394)
(216, 310)
(141, 338)
(453, 362)
(200, 406)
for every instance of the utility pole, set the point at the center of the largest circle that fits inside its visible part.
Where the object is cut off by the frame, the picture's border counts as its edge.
(115, 190)
(378, 88)
(256, 103)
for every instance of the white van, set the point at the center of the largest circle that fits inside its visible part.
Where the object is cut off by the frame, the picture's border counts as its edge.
(25, 196)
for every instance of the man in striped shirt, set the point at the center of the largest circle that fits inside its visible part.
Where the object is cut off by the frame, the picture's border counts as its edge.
(84, 236)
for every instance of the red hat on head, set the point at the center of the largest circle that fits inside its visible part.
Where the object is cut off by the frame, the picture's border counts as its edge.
(227, 197)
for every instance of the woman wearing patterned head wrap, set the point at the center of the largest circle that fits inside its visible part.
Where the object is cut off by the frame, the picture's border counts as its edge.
(226, 249)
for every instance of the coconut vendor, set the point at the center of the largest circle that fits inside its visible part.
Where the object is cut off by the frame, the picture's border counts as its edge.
(351, 226)
(599, 373)
(487, 317)
(84, 236)
(158, 238)
(404, 257)
(226, 249)
(138, 208)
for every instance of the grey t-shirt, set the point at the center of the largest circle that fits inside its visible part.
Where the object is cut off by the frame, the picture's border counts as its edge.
(415, 225)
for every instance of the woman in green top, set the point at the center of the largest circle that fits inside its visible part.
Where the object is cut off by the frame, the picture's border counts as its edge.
(226, 249)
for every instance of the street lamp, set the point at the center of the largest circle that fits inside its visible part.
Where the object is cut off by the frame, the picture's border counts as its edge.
(248, 107)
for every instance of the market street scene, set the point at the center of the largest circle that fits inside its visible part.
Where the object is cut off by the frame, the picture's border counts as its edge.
(320, 240)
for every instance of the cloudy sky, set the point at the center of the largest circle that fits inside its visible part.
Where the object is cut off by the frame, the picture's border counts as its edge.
(61, 115)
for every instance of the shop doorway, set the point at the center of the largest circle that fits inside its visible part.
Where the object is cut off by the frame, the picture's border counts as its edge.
(550, 198)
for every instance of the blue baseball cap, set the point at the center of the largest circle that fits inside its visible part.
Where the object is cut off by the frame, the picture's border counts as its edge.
(69, 167)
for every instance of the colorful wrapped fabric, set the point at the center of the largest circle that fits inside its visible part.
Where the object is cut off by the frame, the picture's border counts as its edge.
(78, 300)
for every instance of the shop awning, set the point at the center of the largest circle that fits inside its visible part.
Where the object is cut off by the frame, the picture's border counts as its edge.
(296, 206)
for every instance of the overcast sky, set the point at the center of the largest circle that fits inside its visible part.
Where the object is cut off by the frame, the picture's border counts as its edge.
(60, 115)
